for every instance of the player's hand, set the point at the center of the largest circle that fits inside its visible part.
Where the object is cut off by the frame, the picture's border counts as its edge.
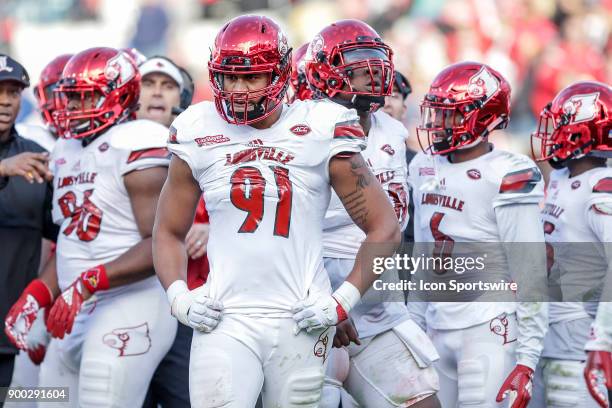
(598, 370)
(38, 338)
(346, 332)
(518, 386)
(316, 313)
(65, 310)
(21, 316)
(195, 309)
(197, 240)
(32, 166)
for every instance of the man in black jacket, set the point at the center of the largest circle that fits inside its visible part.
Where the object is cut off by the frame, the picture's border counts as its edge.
(25, 204)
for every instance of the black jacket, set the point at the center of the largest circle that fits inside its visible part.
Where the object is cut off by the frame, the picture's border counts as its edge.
(25, 218)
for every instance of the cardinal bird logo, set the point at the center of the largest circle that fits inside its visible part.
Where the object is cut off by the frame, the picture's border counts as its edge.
(320, 347)
(129, 341)
(499, 326)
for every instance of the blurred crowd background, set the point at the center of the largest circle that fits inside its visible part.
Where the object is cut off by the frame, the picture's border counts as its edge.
(539, 45)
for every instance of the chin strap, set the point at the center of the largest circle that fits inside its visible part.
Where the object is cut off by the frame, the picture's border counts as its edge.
(362, 103)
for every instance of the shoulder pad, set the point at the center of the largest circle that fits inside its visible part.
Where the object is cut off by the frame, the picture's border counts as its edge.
(324, 114)
(185, 126)
(138, 135)
(602, 208)
(392, 126)
(520, 181)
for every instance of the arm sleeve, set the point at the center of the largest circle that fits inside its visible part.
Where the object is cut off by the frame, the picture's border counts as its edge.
(601, 329)
(520, 224)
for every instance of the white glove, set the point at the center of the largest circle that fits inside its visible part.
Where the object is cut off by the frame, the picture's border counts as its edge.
(38, 338)
(319, 311)
(194, 308)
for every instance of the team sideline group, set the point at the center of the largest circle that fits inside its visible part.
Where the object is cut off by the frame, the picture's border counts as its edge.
(299, 165)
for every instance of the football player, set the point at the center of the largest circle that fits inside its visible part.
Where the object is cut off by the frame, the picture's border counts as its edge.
(43, 91)
(264, 319)
(348, 63)
(26, 371)
(573, 137)
(299, 88)
(109, 319)
(466, 190)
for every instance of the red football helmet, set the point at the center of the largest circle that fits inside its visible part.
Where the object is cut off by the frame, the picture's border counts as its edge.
(250, 45)
(577, 122)
(465, 102)
(43, 91)
(299, 83)
(337, 52)
(99, 88)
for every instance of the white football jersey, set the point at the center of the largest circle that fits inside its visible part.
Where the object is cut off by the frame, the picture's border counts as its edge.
(38, 134)
(90, 201)
(386, 156)
(266, 192)
(456, 202)
(575, 253)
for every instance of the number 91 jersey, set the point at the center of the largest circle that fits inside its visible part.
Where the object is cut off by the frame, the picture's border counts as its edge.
(266, 192)
(90, 201)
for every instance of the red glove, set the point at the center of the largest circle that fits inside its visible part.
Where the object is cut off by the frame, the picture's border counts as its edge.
(23, 313)
(67, 306)
(598, 365)
(518, 386)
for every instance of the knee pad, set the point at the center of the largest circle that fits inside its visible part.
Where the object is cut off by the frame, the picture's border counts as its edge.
(335, 374)
(337, 366)
(303, 388)
(471, 381)
(210, 380)
(96, 386)
(564, 383)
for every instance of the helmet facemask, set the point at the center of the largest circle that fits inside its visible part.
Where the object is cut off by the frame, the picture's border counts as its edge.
(557, 140)
(450, 126)
(245, 107)
(83, 112)
(361, 75)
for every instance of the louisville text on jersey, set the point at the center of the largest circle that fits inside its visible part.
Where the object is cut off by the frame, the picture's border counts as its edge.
(258, 153)
(442, 201)
(82, 178)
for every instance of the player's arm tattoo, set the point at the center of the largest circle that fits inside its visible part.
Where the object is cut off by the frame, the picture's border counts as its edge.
(355, 201)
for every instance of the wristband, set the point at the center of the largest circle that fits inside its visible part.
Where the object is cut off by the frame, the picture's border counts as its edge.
(176, 288)
(347, 296)
(95, 279)
(41, 292)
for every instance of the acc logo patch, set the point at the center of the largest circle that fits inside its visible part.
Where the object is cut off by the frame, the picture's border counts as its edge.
(103, 147)
(388, 149)
(575, 184)
(129, 341)
(474, 174)
(300, 130)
